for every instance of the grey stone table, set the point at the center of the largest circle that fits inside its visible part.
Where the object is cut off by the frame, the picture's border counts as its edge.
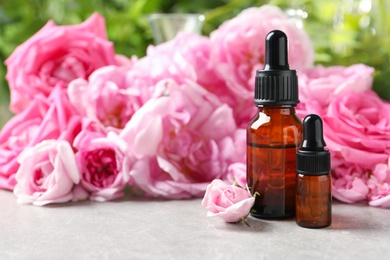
(151, 229)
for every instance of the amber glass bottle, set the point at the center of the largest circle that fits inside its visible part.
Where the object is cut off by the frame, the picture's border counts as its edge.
(313, 193)
(274, 135)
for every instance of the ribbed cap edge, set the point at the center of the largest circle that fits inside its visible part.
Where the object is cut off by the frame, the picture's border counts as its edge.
(313, 163)
(276, 88)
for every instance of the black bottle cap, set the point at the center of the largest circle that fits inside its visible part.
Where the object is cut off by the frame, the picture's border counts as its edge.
(276, 84)
(312, 158)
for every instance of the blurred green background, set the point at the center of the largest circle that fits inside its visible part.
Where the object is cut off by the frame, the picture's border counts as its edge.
(344, 32)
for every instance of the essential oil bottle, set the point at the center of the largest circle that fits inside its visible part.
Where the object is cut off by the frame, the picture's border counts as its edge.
(313, 194)
(275, 134)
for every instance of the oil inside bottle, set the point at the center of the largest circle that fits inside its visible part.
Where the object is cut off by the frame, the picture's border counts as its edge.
(314, 201)
(272, 173)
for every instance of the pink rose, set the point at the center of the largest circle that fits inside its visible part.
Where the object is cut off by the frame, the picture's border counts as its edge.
(102, 163)
(357, 127)
(379, 184)
(182, 139)
(321, 84)
(240, 145)
(43, 119)
(357, 132)
(47, 174)
(194, 50)
(165, 61)
(237, 169)
(237, 173)
(55, 56)
(186, 57)
(349, 183)
(238, 50)
(229, 202)
(125, 62)
(107, 97)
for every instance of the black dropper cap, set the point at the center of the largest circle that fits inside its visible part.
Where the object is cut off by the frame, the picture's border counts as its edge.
(312, 158)
(276, 84)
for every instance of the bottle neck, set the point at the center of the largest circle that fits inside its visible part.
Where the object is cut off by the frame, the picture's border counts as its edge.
(282, 109)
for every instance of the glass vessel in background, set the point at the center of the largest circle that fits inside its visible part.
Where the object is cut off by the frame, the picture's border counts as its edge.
(166, 26)
(296, 12)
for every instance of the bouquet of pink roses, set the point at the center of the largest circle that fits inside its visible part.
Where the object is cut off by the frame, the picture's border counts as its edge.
(89, 123)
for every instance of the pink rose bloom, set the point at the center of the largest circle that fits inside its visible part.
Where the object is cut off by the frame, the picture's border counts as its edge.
(309, 106)
(165, 61)
(103, 164)
(379, 184)
(238, 50)
(357, 132)
(106, 97)
(186, 57)
(47, 174)
(43, 119)
(125, 62)
(349, 183)
(237, 173)
(321, 84)
(182, 140)
(55, 56)
(229, 202)
(237, 169)
(357, 127)
(240, 145)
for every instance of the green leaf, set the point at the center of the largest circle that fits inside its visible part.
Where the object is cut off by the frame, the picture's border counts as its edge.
(381, 84)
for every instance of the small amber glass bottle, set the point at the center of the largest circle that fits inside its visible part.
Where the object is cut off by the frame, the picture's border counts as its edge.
(313, 193)
(274, 135)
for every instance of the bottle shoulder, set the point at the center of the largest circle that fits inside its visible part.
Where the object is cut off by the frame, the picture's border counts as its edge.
(268, 120)
(275, 127)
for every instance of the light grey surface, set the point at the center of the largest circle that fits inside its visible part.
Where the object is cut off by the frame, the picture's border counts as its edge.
(142, 229)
